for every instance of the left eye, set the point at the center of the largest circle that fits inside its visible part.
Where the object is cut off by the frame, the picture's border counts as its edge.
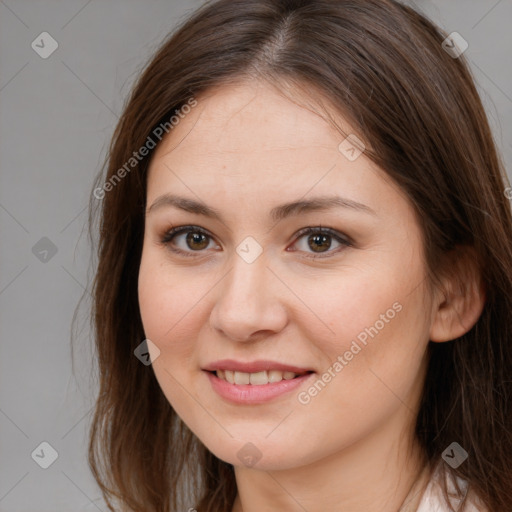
(319, 240)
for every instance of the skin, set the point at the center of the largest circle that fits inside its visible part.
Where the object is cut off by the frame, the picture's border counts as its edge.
(244, 149)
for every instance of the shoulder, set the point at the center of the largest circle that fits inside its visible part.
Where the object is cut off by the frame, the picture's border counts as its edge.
(433, 500)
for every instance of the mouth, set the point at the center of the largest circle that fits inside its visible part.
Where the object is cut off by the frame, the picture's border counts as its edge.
(243, 388)
(257, 378)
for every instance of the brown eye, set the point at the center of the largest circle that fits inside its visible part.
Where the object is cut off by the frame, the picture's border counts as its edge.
(196, 240)
(320, 240)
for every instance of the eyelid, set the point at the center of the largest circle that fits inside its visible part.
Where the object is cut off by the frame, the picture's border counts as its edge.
(341, 238)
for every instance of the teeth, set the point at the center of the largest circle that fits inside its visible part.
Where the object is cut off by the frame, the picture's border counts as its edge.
(242, 378)
(257, 379)
(275, 376)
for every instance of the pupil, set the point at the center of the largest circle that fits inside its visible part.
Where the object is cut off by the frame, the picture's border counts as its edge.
(318, 241)
(195, 237)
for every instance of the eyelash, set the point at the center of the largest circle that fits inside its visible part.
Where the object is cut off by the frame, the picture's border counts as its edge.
(170, 234)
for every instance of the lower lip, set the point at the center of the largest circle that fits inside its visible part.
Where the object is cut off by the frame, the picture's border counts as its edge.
(254, 394)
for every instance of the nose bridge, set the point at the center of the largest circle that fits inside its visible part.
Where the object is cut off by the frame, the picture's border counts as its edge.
(243, 304)
(245, 286)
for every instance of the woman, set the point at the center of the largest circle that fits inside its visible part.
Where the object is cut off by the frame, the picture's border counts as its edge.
(304, 230)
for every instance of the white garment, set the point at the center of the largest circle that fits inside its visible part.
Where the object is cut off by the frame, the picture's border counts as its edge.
(433, 500)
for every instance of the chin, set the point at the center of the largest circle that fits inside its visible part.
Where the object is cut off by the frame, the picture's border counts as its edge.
(259, 453)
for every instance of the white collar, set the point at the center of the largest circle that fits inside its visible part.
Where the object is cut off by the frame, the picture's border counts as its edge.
(433, 500)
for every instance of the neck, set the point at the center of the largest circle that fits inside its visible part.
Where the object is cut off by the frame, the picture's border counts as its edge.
(384, 472)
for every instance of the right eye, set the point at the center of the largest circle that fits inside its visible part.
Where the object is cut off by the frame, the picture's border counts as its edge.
(196, 240)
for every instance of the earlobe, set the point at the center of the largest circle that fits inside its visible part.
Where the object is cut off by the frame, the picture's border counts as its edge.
(460, 305)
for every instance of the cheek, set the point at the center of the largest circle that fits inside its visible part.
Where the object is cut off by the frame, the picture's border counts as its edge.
(373, 332)
(166, 304)
(354, 305)
(376, 362)
(166, 308)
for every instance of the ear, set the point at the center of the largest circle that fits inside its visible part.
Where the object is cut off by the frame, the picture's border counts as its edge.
(461, 301)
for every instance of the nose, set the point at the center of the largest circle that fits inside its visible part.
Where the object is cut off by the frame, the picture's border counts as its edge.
(249, 302)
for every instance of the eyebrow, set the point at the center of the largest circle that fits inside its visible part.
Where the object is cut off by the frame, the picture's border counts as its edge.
(320, 203)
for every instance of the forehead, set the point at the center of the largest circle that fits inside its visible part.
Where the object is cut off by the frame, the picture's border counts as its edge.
(251, 118)
(250, 142)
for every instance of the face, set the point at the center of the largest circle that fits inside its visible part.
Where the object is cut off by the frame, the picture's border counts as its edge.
(252, 293)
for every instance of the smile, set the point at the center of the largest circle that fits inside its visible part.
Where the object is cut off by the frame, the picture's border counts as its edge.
(255, 388)
(256, 379)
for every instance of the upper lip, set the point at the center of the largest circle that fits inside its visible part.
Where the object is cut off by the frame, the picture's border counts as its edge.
(253, 366)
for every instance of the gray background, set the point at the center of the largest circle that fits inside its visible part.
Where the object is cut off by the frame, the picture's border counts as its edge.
(57, 116)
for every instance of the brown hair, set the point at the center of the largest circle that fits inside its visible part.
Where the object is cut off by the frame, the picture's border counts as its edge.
(383, 66)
